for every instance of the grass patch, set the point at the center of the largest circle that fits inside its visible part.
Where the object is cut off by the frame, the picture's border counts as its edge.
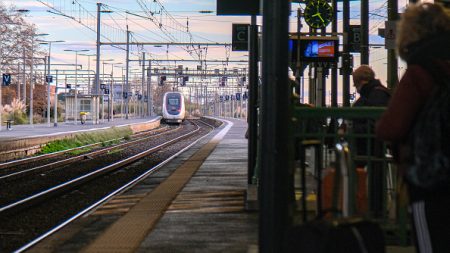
(105, 137)
(115, 151)
(80, 151)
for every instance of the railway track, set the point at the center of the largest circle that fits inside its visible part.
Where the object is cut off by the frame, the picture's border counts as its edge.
(67, 198)
(27, 162)
(42, 163)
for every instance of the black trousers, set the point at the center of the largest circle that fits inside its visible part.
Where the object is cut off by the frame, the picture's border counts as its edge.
(431, 224)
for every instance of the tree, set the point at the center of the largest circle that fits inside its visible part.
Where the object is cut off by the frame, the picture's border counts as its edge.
(16, 46)
(40, 100)
(158, 94)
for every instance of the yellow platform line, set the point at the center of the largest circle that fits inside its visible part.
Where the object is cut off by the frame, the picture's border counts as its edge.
(130, 230)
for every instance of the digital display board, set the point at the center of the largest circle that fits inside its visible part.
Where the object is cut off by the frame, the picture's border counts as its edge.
(314, 49)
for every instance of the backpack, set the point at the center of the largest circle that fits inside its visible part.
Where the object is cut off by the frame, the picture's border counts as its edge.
(429, 138)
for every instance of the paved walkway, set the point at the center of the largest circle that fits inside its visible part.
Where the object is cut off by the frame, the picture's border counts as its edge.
(208, 215)
(28, 131)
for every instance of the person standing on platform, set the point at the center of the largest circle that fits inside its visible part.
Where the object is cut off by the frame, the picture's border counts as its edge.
(372, 93)
(416, 122)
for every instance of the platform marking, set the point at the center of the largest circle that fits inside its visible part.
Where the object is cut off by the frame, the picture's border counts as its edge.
(130, 230)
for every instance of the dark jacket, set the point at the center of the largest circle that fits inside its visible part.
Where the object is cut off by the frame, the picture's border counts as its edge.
(409, 98)
(373, 93)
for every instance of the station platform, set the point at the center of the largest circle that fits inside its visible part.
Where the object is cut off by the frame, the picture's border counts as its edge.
(198, 208)
(37, 130)
(26, 140)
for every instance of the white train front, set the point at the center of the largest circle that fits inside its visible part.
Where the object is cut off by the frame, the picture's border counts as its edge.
(173, 107)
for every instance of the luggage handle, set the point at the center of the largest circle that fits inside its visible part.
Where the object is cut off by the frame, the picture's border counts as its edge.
(342, 172)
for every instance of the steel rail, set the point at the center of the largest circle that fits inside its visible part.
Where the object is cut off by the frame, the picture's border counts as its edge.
(81, 157)
(108, 197)
(62, 152)
(64, 187)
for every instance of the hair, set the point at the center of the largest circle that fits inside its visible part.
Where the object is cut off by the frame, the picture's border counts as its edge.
(363, 73)
(419, 22)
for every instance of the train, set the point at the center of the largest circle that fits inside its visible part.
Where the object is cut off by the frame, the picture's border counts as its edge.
(173, 108)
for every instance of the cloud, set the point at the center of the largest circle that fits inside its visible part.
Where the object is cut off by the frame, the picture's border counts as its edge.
(32, 6)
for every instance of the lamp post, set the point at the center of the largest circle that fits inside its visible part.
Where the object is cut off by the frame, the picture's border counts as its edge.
(32, 76)
(111, 92)
(98, 43)
(104, 87)
(76, 79)
(89, 69)
(121, 90)
(49, 43)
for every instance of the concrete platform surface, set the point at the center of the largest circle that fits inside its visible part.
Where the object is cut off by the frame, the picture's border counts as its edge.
(208, 215)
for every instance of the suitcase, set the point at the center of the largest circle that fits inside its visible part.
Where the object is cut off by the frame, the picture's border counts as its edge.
(344, 234)
(361, 191)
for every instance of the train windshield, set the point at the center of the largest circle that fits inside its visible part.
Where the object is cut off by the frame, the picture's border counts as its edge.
(173, 101)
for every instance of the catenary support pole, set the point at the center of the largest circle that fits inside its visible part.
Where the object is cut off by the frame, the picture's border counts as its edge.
(31, 82)
(127, 87)
(48, 88)
(141, 101)
(149, 89)
(97, 67)
(24, 84)
(55, 110)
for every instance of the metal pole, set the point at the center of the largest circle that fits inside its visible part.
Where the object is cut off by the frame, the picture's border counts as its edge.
(31, 82)
(334, 72)
(319, 101)
(122, 100)
(253, 99)
(103, 92)
(126, 74)
(141, 102)
(24, 87)
(48, 83)
(109, 98)
(55, 111)
(111, 94)
(149, 90)
(76, 89)
(276, 146)
(18, 83)
(89, 75)
(346, 55)
(392, 63)
(97, 65)
(65, 99)
(364, 31)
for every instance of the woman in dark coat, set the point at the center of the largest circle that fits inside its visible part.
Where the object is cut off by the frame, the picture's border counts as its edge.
(424, 43)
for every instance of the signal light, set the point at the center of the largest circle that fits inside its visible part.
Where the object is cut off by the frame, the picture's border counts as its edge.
(162, 80)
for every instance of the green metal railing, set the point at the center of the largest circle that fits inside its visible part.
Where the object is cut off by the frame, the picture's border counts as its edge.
(355, 126)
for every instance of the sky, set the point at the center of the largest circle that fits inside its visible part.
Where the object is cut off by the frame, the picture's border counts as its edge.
(205, 27)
